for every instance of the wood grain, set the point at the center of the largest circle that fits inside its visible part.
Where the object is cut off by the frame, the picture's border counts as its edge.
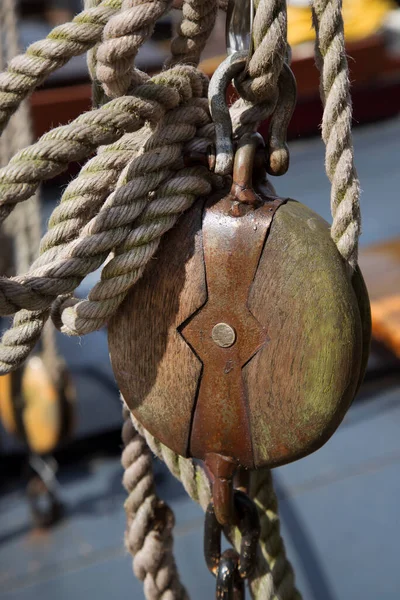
(298, 386)
(156, 371)
(302, 382)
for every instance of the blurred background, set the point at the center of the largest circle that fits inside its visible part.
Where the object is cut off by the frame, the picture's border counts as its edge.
(338, 507)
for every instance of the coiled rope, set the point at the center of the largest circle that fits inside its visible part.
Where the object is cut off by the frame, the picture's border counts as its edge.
(133, 191)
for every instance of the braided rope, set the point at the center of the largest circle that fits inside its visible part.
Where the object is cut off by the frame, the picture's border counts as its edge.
(26, 71)
(149, 521)
(336, 127)
(123, 35)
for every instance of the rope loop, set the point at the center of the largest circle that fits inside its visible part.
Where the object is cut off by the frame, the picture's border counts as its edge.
(259, 83)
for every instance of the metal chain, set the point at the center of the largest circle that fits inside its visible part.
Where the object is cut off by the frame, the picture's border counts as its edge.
(230, 567)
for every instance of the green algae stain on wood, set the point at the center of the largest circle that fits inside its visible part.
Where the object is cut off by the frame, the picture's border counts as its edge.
(308, 372)
(298, 386)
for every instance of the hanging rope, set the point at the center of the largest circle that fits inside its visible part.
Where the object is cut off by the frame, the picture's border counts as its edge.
(331, 60)
(273, 577)
(123, 35)
(259, 88)
(198, 20)
(149, 521)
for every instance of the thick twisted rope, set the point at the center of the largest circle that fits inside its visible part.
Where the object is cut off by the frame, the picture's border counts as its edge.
(123, 35)
(112, 224)
(198, 20)
(85, 195)
(336, 127)
(149, 521)
(26, 71)
(56, 149)
(17, 344)
(140, 242)
(273, 577)
(259, 87)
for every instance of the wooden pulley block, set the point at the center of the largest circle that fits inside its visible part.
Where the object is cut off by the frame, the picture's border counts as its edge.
(246, 340)
(35, 408)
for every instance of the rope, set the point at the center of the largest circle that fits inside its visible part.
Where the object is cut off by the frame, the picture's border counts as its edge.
(56, 149)
(44, 280)
(149, 521)
(27, 71)
(198, 20)
(273, 577)
(131, 257)
(123, 35)
(336, 127)
(91, 188)
(258, 89)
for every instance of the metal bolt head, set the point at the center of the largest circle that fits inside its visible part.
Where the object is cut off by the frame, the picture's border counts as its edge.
(223, 335)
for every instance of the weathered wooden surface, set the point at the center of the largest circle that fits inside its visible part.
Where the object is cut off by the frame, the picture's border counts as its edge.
(298, 385)
(302, 382)
(381, 265)
(145, 345)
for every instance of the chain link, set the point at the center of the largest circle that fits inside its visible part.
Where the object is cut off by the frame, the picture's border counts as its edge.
(230, 567)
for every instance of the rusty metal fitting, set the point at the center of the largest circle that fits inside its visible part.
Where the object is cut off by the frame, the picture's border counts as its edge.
(222, 469)
(249, 157)
(232, 568)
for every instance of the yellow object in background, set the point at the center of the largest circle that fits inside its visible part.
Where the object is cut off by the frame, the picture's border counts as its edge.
(7, 413)
(362, 18)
